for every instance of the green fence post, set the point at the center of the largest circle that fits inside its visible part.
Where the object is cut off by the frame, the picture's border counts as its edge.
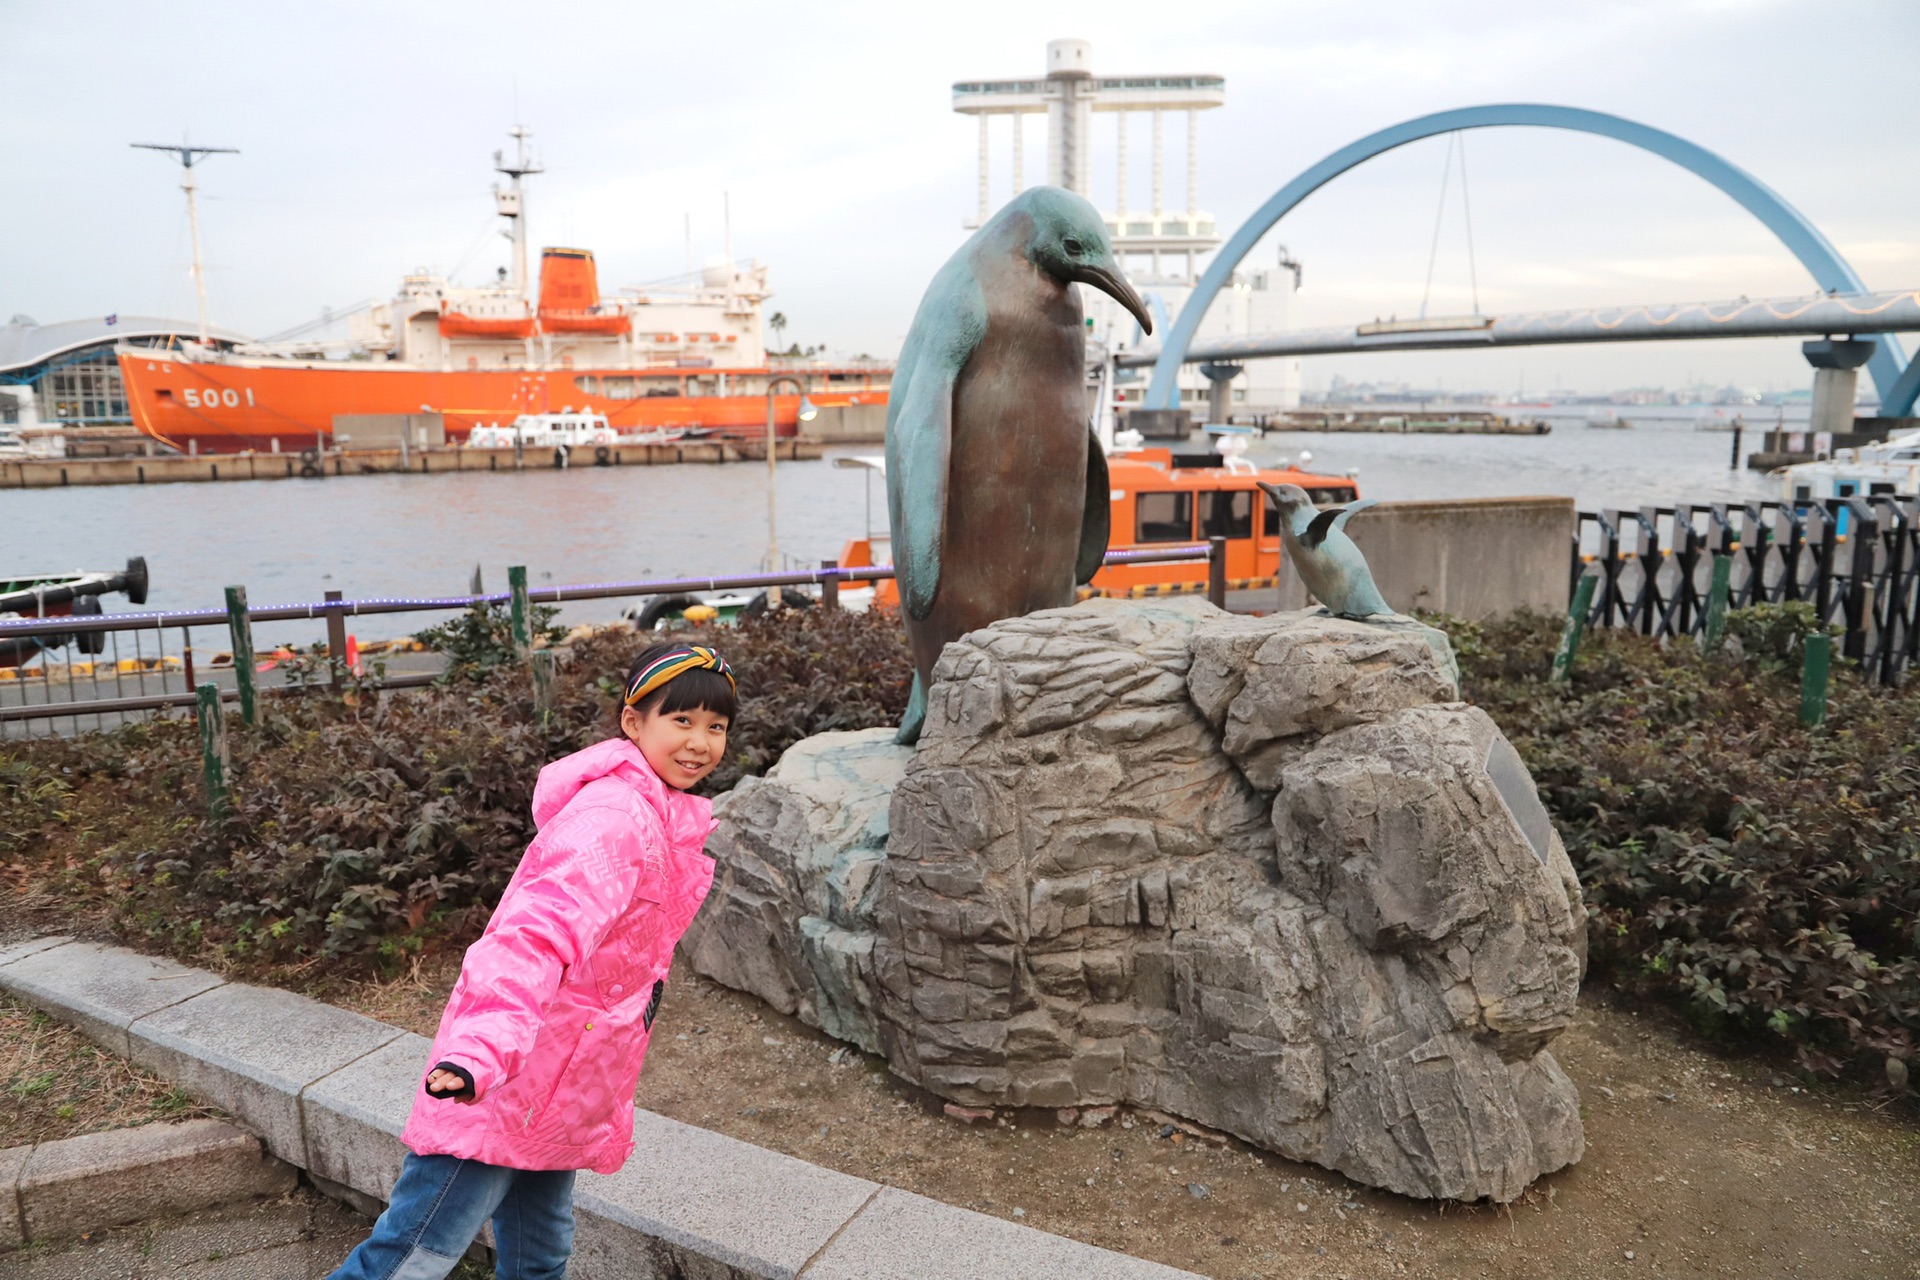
(1576, 624)
(517, 585)
(542, 662)
(241, 629)
(1813, 679)
(213, 747)
(1717, 600)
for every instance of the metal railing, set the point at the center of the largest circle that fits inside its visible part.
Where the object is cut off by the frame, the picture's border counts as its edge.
(1856, 560)
(131, 665)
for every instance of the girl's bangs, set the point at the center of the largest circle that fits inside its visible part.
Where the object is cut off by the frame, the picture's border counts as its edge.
(695, 691)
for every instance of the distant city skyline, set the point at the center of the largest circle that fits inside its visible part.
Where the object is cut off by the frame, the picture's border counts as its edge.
(365, 135)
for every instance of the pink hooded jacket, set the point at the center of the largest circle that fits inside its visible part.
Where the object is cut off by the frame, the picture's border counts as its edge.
(555, 1002)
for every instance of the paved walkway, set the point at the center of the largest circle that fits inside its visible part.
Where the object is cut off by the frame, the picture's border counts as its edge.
(301, 1236)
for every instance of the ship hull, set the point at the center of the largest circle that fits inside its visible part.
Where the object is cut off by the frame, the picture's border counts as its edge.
(231, 406)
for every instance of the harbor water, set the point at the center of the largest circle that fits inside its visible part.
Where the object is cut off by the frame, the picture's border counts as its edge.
(411, 535)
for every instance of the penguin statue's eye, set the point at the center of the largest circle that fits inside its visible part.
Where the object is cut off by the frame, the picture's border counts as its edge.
(1073, 246)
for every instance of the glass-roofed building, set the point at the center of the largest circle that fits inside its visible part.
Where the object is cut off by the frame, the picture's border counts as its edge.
(66, 374)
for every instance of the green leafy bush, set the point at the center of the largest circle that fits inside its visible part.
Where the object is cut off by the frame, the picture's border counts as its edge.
(481, 639)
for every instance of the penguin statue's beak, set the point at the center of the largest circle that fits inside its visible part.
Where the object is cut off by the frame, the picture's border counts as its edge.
(1115, 286)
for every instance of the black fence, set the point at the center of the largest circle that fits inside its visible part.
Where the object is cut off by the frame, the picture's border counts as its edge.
(1856, 560)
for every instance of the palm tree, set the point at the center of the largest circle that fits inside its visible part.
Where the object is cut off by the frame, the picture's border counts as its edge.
(778, 323)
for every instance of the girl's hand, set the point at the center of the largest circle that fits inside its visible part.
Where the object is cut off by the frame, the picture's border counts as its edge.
(444, 1084)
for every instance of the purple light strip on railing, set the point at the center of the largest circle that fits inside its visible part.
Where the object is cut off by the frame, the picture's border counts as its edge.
(66, 625)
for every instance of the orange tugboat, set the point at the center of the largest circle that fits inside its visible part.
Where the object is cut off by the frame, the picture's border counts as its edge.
(688, 357)
(1161, 498)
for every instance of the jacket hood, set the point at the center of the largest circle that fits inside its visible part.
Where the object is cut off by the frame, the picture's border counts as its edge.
(562, 780)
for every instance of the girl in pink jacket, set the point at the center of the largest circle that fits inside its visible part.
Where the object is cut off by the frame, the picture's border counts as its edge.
(540, 1046)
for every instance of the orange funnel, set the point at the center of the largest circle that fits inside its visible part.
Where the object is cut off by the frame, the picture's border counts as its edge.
(570, 295)
(568, 281)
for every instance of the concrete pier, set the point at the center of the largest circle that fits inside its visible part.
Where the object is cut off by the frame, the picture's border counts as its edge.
(54, 473)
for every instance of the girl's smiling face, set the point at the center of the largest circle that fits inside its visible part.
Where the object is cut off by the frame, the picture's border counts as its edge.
(682, 746)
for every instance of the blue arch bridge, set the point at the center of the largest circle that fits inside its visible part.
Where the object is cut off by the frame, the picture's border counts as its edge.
(1850, 325)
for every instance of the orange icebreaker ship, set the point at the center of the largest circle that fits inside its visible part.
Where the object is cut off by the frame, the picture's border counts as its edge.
(685, 357)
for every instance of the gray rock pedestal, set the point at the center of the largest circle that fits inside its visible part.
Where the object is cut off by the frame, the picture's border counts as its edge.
(1265, 874)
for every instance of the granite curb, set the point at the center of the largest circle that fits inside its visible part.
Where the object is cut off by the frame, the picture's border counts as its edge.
(66, 1189)
(330, 1090)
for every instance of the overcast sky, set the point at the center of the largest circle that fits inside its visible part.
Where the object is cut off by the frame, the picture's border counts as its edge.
(366, 133)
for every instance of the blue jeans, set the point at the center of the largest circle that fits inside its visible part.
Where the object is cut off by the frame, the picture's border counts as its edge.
(437, 1208)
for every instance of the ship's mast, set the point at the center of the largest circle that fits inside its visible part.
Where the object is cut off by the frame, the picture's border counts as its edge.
(189, 156)
(512, 203)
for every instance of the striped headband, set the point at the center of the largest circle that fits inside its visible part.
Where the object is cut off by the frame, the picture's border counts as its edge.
(676, 662)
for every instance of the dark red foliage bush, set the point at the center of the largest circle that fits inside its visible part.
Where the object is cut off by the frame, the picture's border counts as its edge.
(361, 834)
(1764, 874)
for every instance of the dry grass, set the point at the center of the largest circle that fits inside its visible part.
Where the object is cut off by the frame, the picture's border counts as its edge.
(55, 1083)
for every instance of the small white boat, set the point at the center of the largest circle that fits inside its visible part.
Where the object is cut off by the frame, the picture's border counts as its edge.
(1892, 467)
(566, 429)
(570, 430)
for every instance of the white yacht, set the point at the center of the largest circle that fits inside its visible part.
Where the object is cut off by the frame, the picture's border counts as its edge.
(1892, 467)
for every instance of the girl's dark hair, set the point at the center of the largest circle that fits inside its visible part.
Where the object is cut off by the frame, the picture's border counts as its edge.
(702, 689)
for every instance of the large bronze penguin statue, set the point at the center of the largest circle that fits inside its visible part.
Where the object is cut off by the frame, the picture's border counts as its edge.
(996, 488)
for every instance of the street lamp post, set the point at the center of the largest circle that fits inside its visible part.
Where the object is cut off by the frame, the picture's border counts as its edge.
(807, 414)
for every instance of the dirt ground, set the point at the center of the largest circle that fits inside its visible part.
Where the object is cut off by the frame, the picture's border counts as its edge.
(55, 1083)
(1695, 1165)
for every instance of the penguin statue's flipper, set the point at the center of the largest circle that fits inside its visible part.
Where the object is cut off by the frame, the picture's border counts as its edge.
(943, 336)
(1332, 520)
(915, 717)
(1097, 526)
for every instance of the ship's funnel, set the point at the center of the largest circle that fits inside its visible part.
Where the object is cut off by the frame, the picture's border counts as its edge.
(568, 281)
(570, 295)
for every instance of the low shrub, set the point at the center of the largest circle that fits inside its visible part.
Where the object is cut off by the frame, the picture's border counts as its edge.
(361, 835)
(1764, 875)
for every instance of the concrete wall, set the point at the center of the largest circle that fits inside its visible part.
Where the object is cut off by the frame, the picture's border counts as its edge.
(384, 430)
(848, 424)
(1473, 557)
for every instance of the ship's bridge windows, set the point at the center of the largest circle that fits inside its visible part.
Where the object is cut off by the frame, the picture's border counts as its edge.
(1877, 488)
(1163, 517)
(1228, 515)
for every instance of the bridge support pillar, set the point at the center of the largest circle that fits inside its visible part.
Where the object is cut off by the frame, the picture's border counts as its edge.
(1219, 393)
(1836, 377)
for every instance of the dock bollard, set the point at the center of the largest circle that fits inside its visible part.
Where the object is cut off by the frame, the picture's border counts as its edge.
(830, 586)
(517, 588)
(241, 629)
(1576, 624)
(1814, 670)
(1717, 601)
(1217, 572)
(213, 748)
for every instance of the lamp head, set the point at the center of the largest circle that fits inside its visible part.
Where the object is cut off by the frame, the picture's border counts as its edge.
(808, 409)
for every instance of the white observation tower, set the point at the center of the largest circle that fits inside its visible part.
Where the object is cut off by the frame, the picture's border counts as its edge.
(1069, 95)
(1170, 240)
